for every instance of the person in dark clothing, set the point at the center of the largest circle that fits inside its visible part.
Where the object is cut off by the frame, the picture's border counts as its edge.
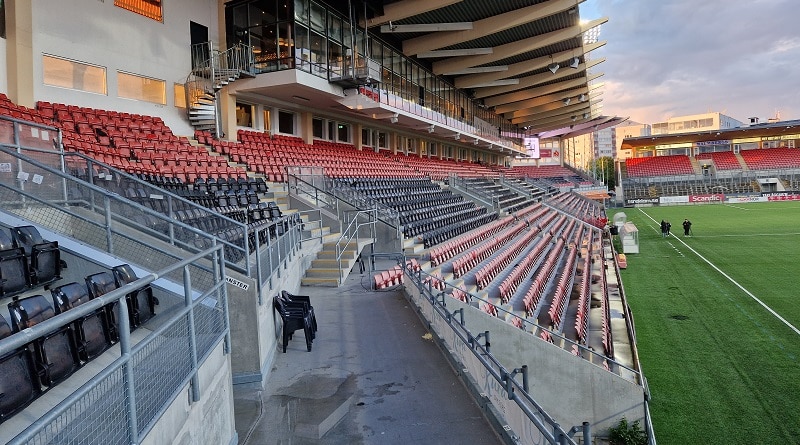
(687, 227)
(669, 227)
(663, 229)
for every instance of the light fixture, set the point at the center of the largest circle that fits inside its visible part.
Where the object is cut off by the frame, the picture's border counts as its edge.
(553, 67)
(582, 98)
(393, 119)
(567, 101)
(457, 136)
(574, 118)
(475, 142)
(575, 62)
(431, 128)
(586, 115)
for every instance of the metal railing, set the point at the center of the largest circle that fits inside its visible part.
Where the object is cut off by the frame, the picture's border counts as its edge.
(432, 281)
(122, 403)
(462, 186)
(550, 431)
(39, 188)
(360, 220)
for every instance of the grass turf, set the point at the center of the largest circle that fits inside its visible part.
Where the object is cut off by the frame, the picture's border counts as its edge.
(721, 368)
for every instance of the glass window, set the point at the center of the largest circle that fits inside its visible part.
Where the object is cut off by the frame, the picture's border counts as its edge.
(382, 140)
(366, 137)
(319, 53)
(261, 13)
(343, 132)
(318, 17)
(74, 75)
(180, 95)
(331, 130)
(303, 51)
(285, 122)
(244, 115)
(267, 120)
(318, 127)
(284, 10)
(148, 8)
(132, 86)
(334, 28)
(285, 42)
(2, 19)
(301, 11)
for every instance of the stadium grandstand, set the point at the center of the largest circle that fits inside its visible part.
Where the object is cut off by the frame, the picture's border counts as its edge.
(176, 175)
(759, 162)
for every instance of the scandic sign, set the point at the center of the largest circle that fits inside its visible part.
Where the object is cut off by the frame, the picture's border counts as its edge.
(716, 197)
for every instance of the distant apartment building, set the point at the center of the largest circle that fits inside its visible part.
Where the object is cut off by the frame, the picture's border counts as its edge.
(631, 129)
(696, 122)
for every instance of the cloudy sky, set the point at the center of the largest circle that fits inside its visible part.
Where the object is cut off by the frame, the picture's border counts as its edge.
(677, 57)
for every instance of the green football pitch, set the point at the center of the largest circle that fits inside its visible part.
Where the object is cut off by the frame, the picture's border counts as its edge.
(717, 318)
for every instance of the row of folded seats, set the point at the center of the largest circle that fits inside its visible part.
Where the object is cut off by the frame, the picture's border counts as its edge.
(27, 261)
(31, 370)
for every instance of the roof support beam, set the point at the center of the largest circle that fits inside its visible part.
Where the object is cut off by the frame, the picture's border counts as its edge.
(537, 79)
(570, 110)
(479, 69)
(455, 53)
(544, 108)
(496, 83)
(541, 100)
(527, 66)
(427, 27)
(604, 122)
(487, 26)
(536, 92)
(536, 126)
(515, 48)
(407, 8)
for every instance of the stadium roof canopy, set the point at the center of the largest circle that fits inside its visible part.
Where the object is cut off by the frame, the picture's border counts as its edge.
(772, 129)
(526, 59)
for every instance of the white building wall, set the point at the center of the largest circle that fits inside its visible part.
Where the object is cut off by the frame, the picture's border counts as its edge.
(3, 65)
(99, 33)
(632, 130)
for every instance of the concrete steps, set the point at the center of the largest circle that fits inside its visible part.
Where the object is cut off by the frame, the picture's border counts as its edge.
(325, 269)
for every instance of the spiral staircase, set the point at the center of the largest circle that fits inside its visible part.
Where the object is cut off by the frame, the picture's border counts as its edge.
(211, 70)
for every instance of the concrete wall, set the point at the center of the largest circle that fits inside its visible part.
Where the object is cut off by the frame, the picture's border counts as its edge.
(570, 389)
(255, 329)
(99, 33)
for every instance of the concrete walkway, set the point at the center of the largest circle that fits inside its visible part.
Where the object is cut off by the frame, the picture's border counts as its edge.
(373, 376)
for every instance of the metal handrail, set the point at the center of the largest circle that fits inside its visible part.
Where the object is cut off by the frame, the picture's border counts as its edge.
(515, 391)
(127, 351)
(351, 232)
(531, 327)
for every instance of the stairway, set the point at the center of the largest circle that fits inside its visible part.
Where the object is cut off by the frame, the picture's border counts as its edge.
(742, 162)
(211, 72)
(698, 170)
(325, 271)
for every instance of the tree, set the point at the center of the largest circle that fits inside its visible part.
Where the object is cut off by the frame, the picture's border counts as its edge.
(627, 433)
(603, 170)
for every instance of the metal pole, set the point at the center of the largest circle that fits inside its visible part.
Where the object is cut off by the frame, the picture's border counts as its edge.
(187, 293)
(124, 330)
(258, 266)
(219, 267)
(109, 237)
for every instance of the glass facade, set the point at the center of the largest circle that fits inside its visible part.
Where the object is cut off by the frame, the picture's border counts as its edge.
(306, 35)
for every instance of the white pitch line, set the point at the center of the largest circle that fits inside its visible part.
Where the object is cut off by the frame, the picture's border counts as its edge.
(750, 294)
(737, 207)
